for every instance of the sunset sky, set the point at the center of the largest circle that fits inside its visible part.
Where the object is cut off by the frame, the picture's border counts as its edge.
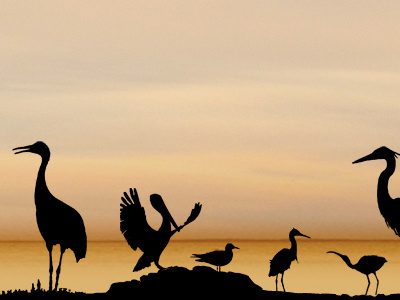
(256, 109)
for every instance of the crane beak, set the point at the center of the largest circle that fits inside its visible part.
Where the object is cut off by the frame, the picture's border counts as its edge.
(23, 149)
(365, 158)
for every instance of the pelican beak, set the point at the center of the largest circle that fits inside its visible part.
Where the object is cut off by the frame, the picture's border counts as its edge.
(365, 158)
(158, 204)
(23, 149)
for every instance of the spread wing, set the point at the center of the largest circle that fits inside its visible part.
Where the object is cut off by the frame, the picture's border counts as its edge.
(134, 224)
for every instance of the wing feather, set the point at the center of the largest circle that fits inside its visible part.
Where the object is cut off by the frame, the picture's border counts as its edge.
(133, 222)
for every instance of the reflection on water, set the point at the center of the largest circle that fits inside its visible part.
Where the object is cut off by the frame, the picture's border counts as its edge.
(22, 263)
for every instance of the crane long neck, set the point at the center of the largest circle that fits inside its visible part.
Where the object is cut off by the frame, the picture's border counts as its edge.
(42, 192)
(383, 181)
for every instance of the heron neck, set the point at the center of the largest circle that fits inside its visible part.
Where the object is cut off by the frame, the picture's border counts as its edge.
(41, 190)
(293, 248)
(383, 181)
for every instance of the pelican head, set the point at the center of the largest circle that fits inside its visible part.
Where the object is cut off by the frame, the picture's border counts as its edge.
(295, 232)
(380, 153)
(158, 203)
(38, 148)
(229, 246)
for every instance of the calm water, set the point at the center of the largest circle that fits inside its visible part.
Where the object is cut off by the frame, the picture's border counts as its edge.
(22, 263)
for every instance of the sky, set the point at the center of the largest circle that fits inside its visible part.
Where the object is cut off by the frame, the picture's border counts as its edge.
(255, 109)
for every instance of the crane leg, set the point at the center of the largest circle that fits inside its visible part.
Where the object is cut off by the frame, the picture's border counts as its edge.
(282, 283)
(367, 285)
(59, 269)
(377, 284)
(50, 249)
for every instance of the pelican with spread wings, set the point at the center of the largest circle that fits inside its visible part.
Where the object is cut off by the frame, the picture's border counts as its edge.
(138, 232)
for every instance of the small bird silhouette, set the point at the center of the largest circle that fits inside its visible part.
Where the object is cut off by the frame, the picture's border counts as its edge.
(217, 258)
(389, 208)
(367, 264)
(139, 234)
(58, 222)
(283, 259)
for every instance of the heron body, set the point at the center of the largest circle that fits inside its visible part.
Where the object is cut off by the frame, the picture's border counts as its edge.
(388, 207)
(139, 234)
(283, 259)
(58, 222)
(217, 258)
(366, 265)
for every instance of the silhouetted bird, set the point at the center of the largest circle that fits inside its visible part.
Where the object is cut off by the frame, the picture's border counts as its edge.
(139, 234)
(389, 208)
(283, 259)
(217, 258)
(58, 222)
(367, 264)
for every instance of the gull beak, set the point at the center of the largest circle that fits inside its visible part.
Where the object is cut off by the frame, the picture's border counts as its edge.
(23, 149)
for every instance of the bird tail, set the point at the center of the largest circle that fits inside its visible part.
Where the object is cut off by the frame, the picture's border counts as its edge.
(143, 262)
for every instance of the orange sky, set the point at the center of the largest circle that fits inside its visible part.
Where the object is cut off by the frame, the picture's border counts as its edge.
(254, 109)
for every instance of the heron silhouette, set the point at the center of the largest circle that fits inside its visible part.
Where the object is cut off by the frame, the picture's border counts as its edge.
(58, 222)
(139, 234)
(283, 259)
(217, 258)
(367, 264)
(388, 207)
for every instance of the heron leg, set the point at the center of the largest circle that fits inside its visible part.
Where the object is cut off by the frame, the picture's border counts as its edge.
(377, 283)
(367, 285)
(59, 269)
(50, 249)
(276, 282)
(283, 284)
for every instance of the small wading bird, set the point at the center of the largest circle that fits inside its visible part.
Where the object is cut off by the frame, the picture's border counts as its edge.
(389, 208)
(58, 222)
(282, 260)
(139, 234)
(217, 258)
(367, 264)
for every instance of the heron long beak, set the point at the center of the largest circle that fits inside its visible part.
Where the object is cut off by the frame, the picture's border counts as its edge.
(23, 149)
(365, 158)
(305, 235)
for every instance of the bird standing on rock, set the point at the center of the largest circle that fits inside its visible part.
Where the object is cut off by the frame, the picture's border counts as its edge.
(138, 232)
(283, 259)
(58, 222)
(217, 258)
(367, 264)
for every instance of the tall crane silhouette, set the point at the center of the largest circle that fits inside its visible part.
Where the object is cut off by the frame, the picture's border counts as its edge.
(283, 259)
(138, 232)
(389, 207)
(58, 222)
(367, 264)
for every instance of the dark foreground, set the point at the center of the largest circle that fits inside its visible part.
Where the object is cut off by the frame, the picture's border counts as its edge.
(181, 283)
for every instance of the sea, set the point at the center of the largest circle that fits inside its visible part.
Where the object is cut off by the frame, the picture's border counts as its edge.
(24, 263)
